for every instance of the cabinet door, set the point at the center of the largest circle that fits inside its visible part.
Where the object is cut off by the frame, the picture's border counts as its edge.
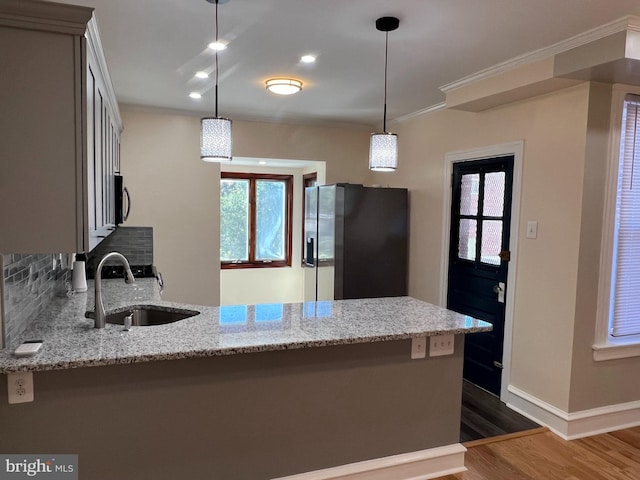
(91, 151)
(41, 149)
(104, 138)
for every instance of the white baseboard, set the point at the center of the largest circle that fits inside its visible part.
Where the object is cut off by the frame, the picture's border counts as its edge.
(576, 424)
(421, 465)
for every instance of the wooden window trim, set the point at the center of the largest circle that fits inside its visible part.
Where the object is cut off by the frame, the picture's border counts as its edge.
(252, 177)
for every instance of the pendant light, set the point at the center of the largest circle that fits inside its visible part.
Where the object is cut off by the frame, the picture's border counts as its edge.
(383, 150)
(215, 132)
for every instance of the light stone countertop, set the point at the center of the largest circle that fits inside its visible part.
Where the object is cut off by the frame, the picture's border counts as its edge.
(71, 341)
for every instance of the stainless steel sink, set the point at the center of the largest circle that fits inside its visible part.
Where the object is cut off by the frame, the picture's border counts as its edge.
(149, 316)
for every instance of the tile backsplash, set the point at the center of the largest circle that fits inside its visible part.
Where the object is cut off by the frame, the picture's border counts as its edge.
(30, 282)
(135, 243)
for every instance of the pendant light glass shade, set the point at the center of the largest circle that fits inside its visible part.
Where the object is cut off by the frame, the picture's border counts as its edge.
(383, 149)
(383, 152)
(215, 132)
(215, 139)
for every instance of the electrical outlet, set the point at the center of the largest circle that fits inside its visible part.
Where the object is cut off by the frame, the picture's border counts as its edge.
(20, 387)
(418, 347)
(441, 345)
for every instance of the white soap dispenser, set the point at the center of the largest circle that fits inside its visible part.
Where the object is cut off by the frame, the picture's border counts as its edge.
(79, 277)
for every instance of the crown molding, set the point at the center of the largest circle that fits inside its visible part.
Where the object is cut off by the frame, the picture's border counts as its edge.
(94, 44)
(418, 113)
(45, 16)
(629, 22)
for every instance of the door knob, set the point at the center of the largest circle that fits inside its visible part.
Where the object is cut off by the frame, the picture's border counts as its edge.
(499, 289)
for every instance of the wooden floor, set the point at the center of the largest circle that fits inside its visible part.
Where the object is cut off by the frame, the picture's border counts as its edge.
(484, 416)
(545, 456)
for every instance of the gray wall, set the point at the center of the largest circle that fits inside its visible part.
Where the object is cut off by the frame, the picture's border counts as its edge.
(252, 416)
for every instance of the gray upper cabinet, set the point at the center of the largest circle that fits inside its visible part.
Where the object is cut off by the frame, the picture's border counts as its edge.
(59, 130)
(104, 126)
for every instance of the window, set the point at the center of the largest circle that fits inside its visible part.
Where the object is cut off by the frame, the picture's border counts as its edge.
(255, 220)
(619, 303)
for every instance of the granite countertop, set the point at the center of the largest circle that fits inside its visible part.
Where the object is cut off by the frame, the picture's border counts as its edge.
(71, 341)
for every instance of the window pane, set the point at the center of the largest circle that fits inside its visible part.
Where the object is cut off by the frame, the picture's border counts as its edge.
(467, 239)
(469, 194)
(270, 219)
(625, 282)
(234, 220)
(491, 241)
(493, 194)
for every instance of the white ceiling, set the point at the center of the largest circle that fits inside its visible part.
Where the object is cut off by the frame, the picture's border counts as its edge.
(154, 47)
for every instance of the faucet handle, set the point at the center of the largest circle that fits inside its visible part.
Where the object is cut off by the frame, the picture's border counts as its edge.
(160, 281)
(127, 322)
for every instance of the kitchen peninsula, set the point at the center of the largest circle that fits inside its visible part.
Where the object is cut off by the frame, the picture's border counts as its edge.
(247, 392)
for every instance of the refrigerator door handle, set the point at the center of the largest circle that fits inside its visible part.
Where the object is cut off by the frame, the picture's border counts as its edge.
(308, 258)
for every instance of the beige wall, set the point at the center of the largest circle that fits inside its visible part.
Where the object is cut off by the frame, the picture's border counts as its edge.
(553, 129)
(177, 194)
(565, 136)
(344, 149)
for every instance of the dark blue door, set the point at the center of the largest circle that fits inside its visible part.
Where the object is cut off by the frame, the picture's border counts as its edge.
(479, 258)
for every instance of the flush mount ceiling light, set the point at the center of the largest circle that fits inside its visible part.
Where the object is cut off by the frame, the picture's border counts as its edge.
(283, 86)
(383, 150)
(215, 132)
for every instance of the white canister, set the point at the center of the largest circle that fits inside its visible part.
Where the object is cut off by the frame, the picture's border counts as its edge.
(79, 278)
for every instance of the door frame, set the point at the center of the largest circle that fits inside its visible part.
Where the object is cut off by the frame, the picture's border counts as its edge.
(517, 150)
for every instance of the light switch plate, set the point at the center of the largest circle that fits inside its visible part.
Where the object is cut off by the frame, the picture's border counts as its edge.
(532, 229)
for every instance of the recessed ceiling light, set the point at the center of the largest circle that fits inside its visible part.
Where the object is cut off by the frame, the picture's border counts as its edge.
(217, 46)
(308, 58)
(202, 75)
(284, 86)
(195, 95)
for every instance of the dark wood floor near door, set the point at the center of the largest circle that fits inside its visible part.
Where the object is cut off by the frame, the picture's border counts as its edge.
(485, 416)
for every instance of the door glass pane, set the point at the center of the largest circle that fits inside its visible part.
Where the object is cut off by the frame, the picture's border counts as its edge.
(467, 239)
(469, 194)
(493, 194)
(270, 219)
(234, 220)
(491, 242)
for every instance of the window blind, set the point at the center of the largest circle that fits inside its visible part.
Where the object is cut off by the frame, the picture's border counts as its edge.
(625, 288)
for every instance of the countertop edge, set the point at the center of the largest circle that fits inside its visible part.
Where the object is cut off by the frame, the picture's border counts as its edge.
(219, 352)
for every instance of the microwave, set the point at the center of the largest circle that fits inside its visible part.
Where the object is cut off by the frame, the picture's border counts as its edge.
(122, 200)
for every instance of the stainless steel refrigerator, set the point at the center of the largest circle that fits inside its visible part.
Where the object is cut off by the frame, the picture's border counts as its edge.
(355, 242)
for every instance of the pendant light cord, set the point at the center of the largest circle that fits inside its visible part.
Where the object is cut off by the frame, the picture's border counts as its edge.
(386, 55)
(216, 86)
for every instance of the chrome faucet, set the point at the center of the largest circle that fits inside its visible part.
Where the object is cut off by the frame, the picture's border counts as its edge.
(99, 308)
